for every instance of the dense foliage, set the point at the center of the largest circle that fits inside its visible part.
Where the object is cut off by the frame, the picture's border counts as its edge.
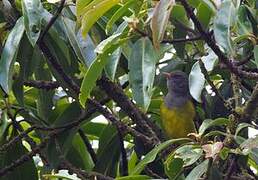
(81, 86)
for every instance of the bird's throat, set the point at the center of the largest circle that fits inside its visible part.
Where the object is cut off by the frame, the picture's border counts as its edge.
(173, 100)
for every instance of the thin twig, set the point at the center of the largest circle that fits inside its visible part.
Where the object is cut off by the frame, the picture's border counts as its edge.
(212, 44)
(124, 163)
(88, 146)
(213, 87)
(140, 119)
(52, 21)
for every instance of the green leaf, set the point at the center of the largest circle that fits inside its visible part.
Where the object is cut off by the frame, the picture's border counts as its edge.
(44, 99)
(84, 48)
(64, 139)
(256, 54)
(209, 5)
(112, 63)
(204, 14)
(198, 171)
(207, 123)
(222, 24)
(80, 5)
(142, 71)
(243, 22)
(94, 11)
(24, 57)
(9, 53)
(159, 20)
(32, 10)
(104, 49)
(189, 153)
(132, 162)
(3, 123)
(196, 78)
(151, 156)
(108, 151)
(174, 167)
(122, 10)
(136, 177)
(78, 154)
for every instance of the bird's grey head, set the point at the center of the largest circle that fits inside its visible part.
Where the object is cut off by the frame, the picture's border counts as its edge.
(177, 83)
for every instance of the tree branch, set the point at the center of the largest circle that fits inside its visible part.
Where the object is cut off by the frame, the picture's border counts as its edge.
(212, 44)
(172, 41)
(139, 118)
(47, 85)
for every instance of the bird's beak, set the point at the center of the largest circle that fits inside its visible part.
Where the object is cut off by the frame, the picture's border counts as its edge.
(167, 75)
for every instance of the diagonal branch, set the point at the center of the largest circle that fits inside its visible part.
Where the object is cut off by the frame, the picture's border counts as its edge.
(212, 44)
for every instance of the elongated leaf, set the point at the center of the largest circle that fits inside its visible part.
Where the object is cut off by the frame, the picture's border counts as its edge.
(78, 154)
(108, 140)
(84, 49)
(256, 55)
(103, 49)
(196, 78)
(204, 14)
(160, 19)
(94, 11)
(118, 14)
(80, 4)
(198, 171)
(4, 123)
(222, 24)
(151, 156)
(244, 24)
(209, 4)
(112, 63)
(64, 139)
(142, 71)
(32, 10)
(207, 123)
(44, 99)
(9, 53)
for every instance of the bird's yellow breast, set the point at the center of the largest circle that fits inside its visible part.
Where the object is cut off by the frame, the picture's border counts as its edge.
(178, 121)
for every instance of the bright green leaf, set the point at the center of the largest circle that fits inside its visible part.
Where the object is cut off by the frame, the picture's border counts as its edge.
(94, 11)
(104, 49)
(118, 14)
(151, 156)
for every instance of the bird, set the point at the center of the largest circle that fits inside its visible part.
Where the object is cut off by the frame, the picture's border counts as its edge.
(177, 110)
